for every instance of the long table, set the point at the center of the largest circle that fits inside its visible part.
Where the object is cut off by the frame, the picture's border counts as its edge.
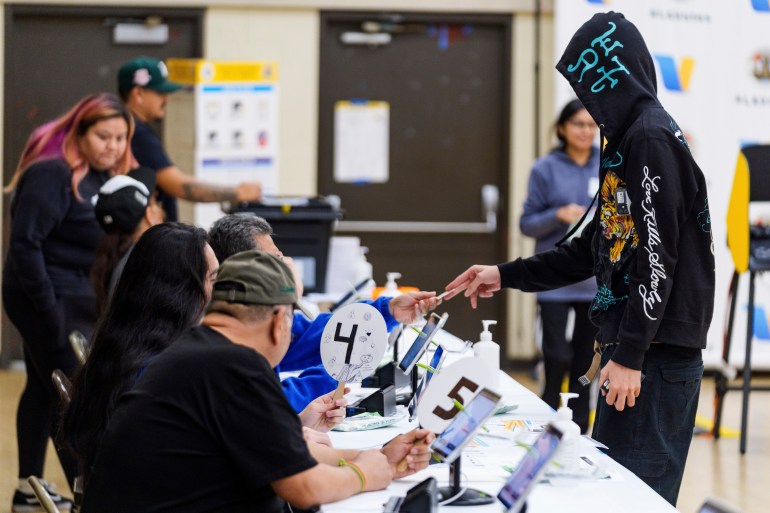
(622, 491)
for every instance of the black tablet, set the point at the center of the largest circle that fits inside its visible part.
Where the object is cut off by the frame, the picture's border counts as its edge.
(420, 344)
(449, 444)
(435, 363)
(514, 492)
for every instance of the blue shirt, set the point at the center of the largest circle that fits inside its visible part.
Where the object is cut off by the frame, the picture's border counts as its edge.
(305, 353)
(557, 180)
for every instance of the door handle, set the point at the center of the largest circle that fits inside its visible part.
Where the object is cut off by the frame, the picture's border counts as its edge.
(490, 203)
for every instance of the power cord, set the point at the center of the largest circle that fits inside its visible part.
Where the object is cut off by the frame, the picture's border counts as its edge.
(458, 495)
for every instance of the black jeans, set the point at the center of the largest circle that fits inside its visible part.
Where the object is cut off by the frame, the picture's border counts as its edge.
(46, 348)
(561, 356)
(652, 439)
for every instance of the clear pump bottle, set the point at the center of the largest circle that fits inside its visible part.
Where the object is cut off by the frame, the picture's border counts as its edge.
(568, 455)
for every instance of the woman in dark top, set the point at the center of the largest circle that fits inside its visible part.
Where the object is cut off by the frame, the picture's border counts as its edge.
(46, 290)
(163, 290)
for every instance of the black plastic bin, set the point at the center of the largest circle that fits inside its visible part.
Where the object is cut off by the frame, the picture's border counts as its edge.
(302, 228)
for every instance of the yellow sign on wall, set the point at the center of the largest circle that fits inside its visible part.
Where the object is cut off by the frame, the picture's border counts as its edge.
(201, 71)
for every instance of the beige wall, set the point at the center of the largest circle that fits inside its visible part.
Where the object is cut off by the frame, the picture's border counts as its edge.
(291, 38)
(288, 32)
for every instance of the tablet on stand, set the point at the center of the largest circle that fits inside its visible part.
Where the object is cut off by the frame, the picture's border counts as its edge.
(514, 492)
(408, 363)
(449, 444)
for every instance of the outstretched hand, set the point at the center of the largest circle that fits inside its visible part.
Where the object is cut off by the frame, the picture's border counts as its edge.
(323, 413)
(477, 281)
(408, 308)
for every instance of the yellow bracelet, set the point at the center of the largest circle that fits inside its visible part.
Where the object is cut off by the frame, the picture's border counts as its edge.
(356, 469)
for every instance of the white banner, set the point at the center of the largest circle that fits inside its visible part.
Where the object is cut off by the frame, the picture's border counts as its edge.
(712, 59)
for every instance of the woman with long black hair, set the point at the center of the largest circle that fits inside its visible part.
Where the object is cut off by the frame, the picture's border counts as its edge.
(163, 291)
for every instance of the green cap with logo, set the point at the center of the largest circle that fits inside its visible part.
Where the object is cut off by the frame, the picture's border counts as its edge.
(146, 72)
(255, 277)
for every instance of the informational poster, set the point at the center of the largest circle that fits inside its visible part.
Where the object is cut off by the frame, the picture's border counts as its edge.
(361, 141)
(236, 124)
(712, 60)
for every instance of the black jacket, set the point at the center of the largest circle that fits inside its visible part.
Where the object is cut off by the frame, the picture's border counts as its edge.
(650, 244)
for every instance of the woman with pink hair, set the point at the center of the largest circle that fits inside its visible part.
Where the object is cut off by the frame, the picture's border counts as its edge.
(54, 233)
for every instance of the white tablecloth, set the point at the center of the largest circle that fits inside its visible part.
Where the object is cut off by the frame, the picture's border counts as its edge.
(623, 491)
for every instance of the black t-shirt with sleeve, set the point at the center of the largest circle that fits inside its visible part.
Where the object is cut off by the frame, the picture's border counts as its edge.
(149, 152)
(53, 234)
(206, 428)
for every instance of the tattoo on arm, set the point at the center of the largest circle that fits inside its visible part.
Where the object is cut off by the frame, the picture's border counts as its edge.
(207, 193)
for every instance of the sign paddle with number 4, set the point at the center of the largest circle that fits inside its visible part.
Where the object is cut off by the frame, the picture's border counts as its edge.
(353, 343)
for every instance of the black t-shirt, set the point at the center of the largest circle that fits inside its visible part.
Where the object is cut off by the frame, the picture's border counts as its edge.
(206, 428)
(53, 234)
(149, 152)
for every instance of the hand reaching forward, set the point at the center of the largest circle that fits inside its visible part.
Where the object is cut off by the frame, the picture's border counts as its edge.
(323, 413)
(478, 280)
(408, 308)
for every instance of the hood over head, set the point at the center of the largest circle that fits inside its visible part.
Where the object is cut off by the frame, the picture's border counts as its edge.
(611, 70)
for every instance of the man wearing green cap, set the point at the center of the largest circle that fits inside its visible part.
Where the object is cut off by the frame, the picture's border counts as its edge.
(207, 427)
(144, 87)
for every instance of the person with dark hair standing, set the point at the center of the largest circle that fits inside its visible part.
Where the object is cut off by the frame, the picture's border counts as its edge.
(163, 291)
(234, 233)
(125, 208)
(53, 236)
(561, 187)
(144, 87)
(649, 247)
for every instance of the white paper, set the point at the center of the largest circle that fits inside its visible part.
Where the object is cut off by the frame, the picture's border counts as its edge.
(361, 142)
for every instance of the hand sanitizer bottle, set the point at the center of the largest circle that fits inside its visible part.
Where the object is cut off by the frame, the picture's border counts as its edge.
(568, 454)
(391, 288)
(489, 352)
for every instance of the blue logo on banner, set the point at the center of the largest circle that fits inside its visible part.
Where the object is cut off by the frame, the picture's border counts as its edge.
(761, 5)
(761, 328)
(675, 78)
(598, 1)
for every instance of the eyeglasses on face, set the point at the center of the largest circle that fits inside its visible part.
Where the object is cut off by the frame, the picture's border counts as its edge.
(580, 125)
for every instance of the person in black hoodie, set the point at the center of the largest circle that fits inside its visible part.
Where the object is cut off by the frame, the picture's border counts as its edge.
(649, 247)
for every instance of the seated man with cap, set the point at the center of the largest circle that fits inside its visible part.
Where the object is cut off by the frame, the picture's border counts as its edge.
(125, 208)
(207, 428)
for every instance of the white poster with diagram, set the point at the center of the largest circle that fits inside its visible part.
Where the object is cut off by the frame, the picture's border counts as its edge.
(361, 141)
(353, 342)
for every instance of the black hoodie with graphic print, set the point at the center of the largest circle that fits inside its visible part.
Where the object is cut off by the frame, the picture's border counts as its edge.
(649, 244)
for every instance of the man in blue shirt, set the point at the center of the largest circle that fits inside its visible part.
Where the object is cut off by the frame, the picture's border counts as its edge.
(235, 233)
